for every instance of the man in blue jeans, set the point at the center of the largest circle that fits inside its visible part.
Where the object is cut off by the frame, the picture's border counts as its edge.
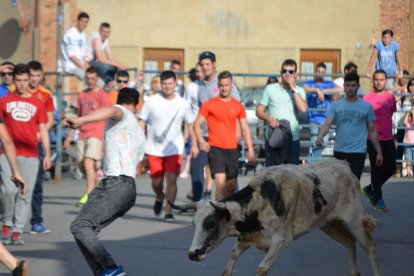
(116, 193)
(319, 102)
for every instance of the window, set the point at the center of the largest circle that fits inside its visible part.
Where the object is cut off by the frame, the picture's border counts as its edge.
(310, 58)
(160, 59)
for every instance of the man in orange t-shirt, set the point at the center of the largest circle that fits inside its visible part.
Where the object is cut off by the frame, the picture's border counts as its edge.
(222, 114)
(122, 80)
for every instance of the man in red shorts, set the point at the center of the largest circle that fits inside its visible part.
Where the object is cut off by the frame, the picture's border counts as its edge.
(164, 113)
(222, 114)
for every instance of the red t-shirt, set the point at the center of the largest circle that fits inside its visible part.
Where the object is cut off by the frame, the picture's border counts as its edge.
(22, 117)
(45, 97)
(88, 102)
(222, 118)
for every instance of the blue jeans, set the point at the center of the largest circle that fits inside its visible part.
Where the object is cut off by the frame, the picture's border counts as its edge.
(315, 152)
(37, 197)
(111, 199)
(105, 71)
(197, 174)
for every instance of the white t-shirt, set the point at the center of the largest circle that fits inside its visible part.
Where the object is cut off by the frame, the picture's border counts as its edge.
(74, 43)
(164, 119)
(191, 96)
(124, 145)
(103, 45)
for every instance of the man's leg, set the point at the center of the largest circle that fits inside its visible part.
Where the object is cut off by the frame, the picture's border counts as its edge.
(171, 191)
(221, 189)
(295, 152)
(8, 199)
(28, 168)
(111, 199)
(156, 167)
(197, 174)
(315, 152)
(356, 161)
(172, 165)
(89, 165)
(37, 198)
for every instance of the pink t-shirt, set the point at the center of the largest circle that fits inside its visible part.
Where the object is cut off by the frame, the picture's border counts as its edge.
(409, 134)
(384, 106)
(89, 102)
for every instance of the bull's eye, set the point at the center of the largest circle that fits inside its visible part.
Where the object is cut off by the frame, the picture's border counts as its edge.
(210, 224)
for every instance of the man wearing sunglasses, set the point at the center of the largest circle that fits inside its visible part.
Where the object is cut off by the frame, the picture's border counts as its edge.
(122, 80)
(207, 89)
(283, 102)
(6, 73)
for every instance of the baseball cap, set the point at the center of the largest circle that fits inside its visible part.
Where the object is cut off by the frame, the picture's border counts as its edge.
(207, 54)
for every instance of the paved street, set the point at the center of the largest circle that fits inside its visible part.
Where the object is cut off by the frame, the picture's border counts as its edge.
(145, 245)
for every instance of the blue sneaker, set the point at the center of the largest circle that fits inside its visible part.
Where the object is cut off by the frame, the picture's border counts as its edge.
(119, 271)
(369, 194)
(38, 228)
(380, 206)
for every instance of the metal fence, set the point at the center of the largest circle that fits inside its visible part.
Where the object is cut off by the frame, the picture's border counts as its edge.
(258, 129)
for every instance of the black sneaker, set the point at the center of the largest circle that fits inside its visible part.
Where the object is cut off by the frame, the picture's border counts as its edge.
(169, 218)
(22, 269)
(158, 206)
(207, 195)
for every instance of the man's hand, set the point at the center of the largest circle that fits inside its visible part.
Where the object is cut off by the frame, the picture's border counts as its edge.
(47, 163)
(194, 150)
(273, 122)
(204, 146)
(379, 159)
(319, 141)
(19, 181)
(291, 81)
(251, 156)
(72, 123)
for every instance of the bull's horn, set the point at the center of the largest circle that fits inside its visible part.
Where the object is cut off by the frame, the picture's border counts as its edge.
(219, 206)
(184, 207)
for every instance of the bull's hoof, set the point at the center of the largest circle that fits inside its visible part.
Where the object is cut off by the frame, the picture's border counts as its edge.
(226, 273)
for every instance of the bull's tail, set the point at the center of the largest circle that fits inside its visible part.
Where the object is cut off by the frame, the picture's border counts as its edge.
(369, 226)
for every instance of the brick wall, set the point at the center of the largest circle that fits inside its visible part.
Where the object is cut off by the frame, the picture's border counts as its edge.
(47, 31)
(395, 15)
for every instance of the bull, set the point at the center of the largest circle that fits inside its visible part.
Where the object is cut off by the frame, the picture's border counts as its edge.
(281, 204)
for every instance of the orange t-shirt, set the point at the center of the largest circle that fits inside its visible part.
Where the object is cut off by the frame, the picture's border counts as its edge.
(113, 96)
(222, 118)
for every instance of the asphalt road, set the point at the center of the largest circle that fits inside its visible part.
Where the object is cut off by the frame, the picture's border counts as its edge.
(146, 245)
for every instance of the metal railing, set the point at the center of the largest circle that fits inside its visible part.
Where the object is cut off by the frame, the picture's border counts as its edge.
(259, 141)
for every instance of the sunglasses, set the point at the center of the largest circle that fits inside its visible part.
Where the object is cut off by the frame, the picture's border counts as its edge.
(290, 72)
(207, 54)
(3, 74)
(121, 81)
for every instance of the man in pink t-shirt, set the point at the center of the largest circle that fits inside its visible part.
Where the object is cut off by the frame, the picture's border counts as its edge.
(89, 144)
(384, 106)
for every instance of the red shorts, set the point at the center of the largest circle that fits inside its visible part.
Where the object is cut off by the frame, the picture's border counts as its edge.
(158, 165)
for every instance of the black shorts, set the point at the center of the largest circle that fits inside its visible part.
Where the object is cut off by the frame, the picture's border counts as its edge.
(224, 161)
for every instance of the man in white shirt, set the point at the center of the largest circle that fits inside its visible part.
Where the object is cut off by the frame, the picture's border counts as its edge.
(101, 56)
(164, 113)
(73, 48)
(116, 193)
